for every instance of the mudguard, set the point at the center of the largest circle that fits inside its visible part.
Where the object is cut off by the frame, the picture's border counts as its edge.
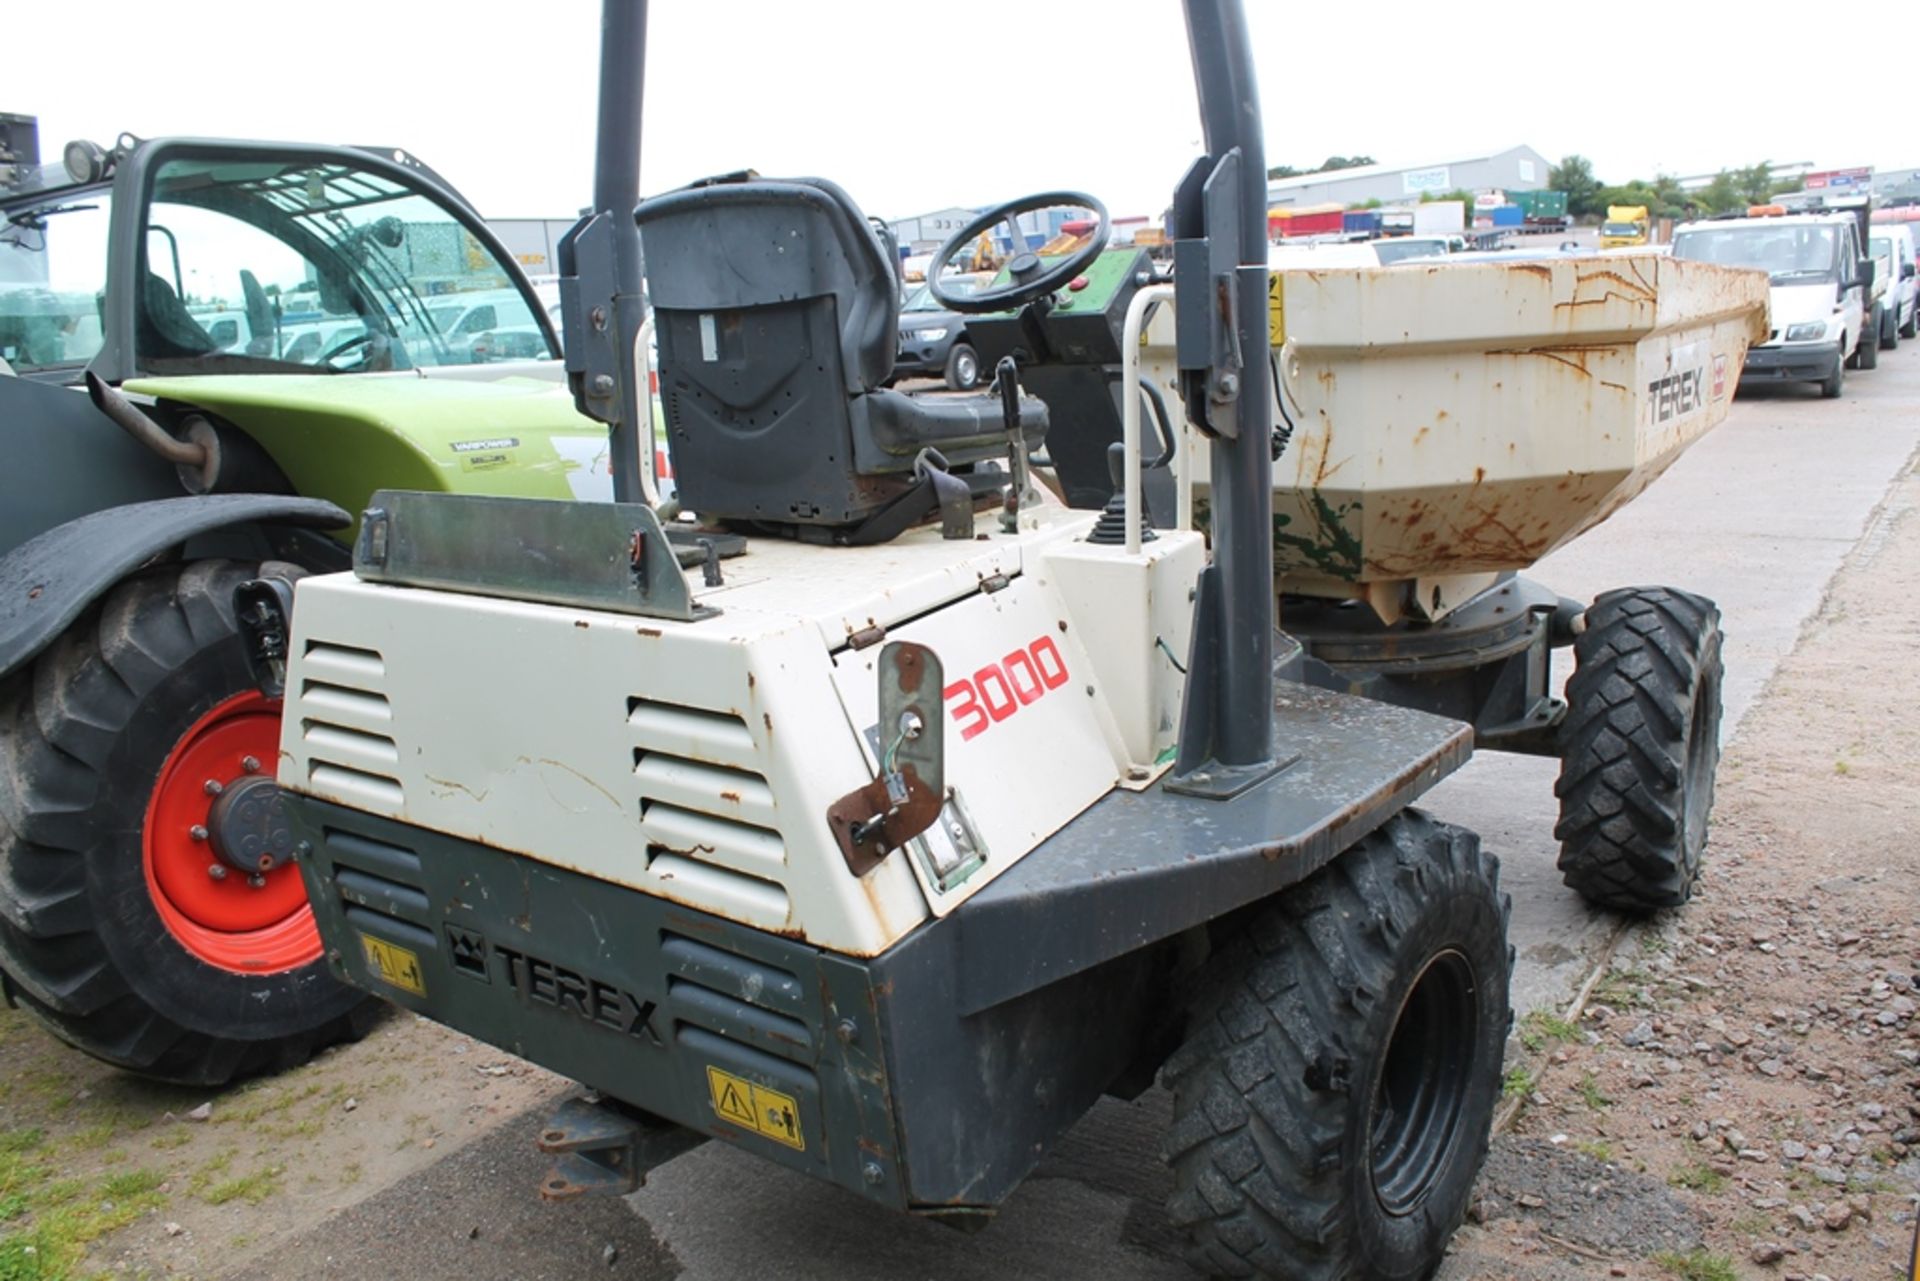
(49, 580)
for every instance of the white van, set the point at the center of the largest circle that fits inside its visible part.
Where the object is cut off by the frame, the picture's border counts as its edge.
(1820, 296)
(1893, 257)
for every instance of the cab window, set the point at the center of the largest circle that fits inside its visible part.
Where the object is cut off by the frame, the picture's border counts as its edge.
(318, 266)
(53, 276)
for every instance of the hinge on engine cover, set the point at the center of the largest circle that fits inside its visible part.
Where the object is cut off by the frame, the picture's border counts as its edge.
(993, 583)
(867, 636)
(877, 818)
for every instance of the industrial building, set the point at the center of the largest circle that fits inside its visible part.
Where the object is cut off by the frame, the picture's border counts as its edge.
(1515, 169)
(928, 231)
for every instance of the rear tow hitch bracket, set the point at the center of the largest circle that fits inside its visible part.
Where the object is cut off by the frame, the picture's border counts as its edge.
(601, 1149)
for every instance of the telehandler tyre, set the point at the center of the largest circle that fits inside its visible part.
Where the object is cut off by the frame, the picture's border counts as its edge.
(1639, 748)
(1333, 1098)
(119, 926)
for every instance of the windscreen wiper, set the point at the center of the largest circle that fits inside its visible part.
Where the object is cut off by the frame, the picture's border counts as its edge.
(35, 219)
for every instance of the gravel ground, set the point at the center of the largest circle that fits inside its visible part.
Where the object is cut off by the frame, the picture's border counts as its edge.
(1740, 1096)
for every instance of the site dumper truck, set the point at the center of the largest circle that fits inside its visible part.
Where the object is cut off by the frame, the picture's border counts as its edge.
(926, 809)
(1626, 226)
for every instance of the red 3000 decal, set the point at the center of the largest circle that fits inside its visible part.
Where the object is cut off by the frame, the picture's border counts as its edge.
(1000, 689)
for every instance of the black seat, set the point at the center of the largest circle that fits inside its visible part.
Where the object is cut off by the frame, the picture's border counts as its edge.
(776, 313)
(165, 328)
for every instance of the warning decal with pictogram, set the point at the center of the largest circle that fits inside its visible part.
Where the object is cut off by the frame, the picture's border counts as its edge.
(765, 1111)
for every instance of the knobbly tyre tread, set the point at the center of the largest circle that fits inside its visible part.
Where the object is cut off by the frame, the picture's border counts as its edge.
(1647, 654)
(1261, 1143)
(61, 723)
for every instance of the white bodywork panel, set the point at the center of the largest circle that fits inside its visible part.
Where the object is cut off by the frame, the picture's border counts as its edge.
(697, 761)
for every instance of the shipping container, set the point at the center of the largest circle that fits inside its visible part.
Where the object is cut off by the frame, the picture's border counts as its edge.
(1365, 221)
(1508, 215)
(1541, 207)
(1318, 222)
(1439, 217)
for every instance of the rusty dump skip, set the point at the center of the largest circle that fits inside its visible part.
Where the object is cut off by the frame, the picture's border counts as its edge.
(1465, 418)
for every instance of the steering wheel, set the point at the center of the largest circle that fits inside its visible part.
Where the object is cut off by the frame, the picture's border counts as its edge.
(362, 339)
(1030, 279)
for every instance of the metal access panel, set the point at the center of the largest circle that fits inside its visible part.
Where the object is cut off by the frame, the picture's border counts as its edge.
(731, 1032)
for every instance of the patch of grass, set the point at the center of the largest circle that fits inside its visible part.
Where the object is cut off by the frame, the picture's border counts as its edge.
(1696, 1177)
(350, 1174)
(1596, 1149)
(130, 1183)
(1751, 1225)
(94, 1137)
(1622, 989)
(1518, 1084)
(1589, 1092)
(29, 1258)
(1841, 767)
(174, 1138)
(251, 1188)
(59, 1217)
(1697, 1265)
(1543, 1027)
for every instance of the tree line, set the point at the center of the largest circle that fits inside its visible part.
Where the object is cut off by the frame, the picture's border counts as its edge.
(1588, 197)
(1730, 191)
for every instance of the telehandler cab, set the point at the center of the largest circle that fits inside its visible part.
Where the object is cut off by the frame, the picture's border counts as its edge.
(211, 352)
(885, 847)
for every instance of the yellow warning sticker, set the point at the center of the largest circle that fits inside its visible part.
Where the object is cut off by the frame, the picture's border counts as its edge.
(755, 1107)
(1277, 309)
(394, 965)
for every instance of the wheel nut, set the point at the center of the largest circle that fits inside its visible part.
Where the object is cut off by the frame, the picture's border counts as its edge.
(216, 871)
(257, 881)
(250, 764)
(197, 832)
(212, 787)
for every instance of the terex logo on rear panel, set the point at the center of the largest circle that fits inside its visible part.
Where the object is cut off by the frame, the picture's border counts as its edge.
(998, 690)
(1678, 393)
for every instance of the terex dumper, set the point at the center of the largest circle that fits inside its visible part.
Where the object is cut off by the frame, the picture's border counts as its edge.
(886, 847)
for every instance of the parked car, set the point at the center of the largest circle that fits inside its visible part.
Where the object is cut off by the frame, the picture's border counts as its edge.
(933, 340)
(1893, 255)
(1821, 291)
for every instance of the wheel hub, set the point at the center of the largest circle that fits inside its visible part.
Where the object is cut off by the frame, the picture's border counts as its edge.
(217, 845)
(1423, 1083)
(248, 828)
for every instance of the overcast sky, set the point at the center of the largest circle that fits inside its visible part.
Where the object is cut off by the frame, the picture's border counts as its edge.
(914, 106)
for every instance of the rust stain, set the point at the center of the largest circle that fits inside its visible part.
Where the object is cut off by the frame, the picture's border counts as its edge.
(1422, 433)
(730, 796)
(652, 633)
(1479, 475)
(581, 623)
(1539, 269)
(766, 718)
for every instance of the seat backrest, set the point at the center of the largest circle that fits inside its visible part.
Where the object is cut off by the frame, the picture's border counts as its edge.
(775, 310)
(728, 244)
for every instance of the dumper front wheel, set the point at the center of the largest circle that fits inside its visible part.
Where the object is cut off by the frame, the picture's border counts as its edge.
(128, 922)
(1333, 1098)
(1639, 748)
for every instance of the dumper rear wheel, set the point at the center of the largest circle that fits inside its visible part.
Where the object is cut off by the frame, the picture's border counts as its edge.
(1333, 1099)
(121, 926)
(1639, 748)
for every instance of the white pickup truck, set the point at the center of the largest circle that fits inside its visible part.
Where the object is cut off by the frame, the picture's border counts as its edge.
(1821, 295)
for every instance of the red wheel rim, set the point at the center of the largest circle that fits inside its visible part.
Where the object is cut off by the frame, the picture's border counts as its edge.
(222, 919)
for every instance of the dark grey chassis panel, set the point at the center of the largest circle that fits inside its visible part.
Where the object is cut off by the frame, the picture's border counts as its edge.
(932, 1077)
